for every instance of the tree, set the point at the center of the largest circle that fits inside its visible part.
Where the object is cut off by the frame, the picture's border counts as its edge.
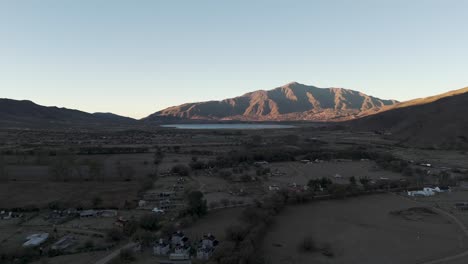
(364, 181)
(158, 156)
(150, 222)
(352, 180)
(95, 169)
(125, 171)
(181, 169)
(196, 203)
(97, 201)
(114, 235)
(3, 169)
(62, 167)
(307, 244)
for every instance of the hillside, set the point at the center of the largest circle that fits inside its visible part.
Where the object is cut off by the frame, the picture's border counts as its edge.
(293, 101)
(21, 114)
(439, 121)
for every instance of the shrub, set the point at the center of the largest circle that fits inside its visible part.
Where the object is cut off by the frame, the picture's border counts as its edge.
(150, 222)
(114, 234)
(307, 244)
(181, 169)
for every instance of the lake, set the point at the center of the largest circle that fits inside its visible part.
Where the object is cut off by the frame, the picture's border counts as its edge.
(227, 126)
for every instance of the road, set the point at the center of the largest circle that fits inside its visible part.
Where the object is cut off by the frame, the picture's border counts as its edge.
(115, 253)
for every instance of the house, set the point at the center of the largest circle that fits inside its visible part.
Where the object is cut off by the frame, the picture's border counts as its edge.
(9, 215)
(207, 246)
(273, 188)
(161, 248)
(463, 206)
(204, 253)
(178, 238)
(141, 203)
(209, 240)
(35, 240)
(108, 213)
(426, 191)
(88, 213)
(64, 243)
(182, 249)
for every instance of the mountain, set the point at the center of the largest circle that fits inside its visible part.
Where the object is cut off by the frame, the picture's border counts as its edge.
(293, 101)
(21, 114)
(438, 121)
(114, 118)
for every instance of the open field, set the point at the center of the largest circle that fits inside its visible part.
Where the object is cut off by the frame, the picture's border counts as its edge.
(230, 169)
(296, 172)
(40, 194)
(362, 230)
(215, 222)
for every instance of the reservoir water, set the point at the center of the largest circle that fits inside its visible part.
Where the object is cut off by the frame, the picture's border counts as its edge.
(228, 126)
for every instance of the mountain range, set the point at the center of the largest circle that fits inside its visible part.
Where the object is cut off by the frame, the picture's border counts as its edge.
(293, 101)
(24, 113)
(438, 121)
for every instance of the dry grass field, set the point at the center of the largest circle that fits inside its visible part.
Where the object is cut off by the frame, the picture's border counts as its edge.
(362, 230)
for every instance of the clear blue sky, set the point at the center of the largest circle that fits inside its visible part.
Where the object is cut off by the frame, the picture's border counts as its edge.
(136, 57)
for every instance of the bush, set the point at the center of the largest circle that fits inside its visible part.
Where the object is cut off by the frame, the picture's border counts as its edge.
(196, 204)
(88, 244)
(126, 256)
(307, 244)
(181, 169)
(150, 222)
(114, 234)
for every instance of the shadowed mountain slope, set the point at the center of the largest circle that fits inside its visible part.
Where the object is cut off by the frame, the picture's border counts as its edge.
(15, 113)
(438, 121)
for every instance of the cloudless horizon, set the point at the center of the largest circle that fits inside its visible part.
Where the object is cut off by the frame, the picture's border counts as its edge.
(134, 58)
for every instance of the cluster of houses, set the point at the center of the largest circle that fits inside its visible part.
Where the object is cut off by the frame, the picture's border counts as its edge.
(292, 187)
(428, 191)
(97, 213)
(178, 248)
(4, 215)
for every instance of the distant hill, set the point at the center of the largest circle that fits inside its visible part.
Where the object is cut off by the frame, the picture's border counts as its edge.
(293, 101)
(114, 117)
(438, 121)
(24, 114)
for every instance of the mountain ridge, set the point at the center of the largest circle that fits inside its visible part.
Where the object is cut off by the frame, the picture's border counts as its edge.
(293, 101)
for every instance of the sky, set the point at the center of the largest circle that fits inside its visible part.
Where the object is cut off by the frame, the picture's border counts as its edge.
(136, 57)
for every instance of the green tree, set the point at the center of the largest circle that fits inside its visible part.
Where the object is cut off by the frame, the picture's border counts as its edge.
(150, 222)
(196, 203)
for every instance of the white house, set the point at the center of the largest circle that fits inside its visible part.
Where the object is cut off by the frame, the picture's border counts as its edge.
(207, 246)
(161, 248)
(35, 240)
(426, 191)
(178, 238)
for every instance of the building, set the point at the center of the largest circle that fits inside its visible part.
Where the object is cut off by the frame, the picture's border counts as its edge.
(207, 246)
(88, 213)
(426, 191)
(35, 240)
(108, 213)
(64, 243)
(161, 248)
(178, 238)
